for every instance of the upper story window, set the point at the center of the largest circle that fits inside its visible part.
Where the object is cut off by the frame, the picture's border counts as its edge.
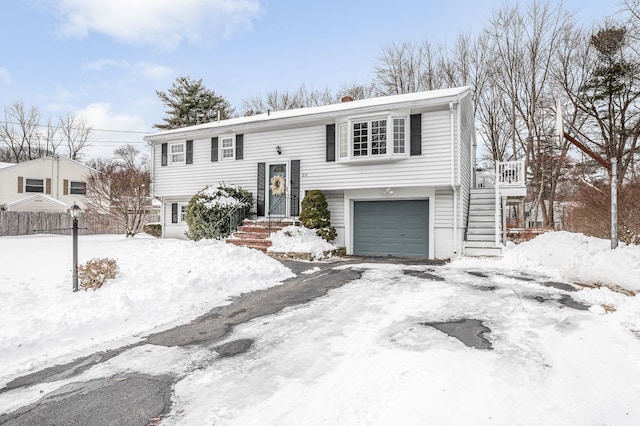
(228, 147)
(34, 185)
(77, 188)
(177, 153)
(375, 137)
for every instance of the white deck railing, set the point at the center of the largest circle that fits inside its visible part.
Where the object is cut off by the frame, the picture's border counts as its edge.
(510, 173)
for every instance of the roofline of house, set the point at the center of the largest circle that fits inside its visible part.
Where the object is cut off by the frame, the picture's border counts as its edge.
(2, 169)
(300, 115)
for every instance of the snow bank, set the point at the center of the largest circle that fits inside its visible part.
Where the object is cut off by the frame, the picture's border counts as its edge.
(161, 283)
(297, 239)
(579, 258)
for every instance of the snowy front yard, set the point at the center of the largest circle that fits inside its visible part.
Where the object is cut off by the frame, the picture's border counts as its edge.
(366, 353)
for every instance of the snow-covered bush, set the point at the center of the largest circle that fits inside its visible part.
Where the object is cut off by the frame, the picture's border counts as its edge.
(208, 211)
(315, 214)
(297, 239)
(96, 272)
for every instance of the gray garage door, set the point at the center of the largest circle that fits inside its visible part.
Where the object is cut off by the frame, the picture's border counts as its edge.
(397, 228)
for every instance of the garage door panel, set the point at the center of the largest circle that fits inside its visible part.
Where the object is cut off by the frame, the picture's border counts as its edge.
(398, 228)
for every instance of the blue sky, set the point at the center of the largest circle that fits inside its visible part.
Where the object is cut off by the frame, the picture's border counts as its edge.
(103, 60)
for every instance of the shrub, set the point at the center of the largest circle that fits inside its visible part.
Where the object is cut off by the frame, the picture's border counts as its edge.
(96, 272)
(315, 214)
(590, 211)
(208, 211)
(154, 229)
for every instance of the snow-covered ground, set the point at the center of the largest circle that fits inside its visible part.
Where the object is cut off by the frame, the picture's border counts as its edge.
(161, 283)
(362, 354)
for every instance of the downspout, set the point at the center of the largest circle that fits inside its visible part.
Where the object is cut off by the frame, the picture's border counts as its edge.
(453, 185)
(459, 167)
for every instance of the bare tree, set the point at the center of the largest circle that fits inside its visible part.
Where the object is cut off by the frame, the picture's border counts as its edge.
(120, 188)
(601, 78)
(276, 100)
(407, 68)
(74, 134)
(23, 136)
(19, 134)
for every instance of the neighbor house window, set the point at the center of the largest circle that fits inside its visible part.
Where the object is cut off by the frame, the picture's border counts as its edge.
(176, 153)
(34, 185)
(77, 188)
(228, 148)
(182, 213)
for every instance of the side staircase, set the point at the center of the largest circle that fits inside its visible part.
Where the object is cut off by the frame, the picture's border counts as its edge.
(481, 230)
(255, 233)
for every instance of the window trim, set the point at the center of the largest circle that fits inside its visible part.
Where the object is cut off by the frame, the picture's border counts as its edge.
(26, 185)
(171, 154)
(182, 211)
(345, 129)
(231, 148)
(71, 189)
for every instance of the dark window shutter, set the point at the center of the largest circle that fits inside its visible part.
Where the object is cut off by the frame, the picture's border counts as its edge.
(48, 186)
(260, 196)
(295, 187)
(174, 213)
(189, 157)
(65, 187)
(163, 158)
(20, 184)
(331, 142)
(214, 149)
(416, 134)
(239, 147)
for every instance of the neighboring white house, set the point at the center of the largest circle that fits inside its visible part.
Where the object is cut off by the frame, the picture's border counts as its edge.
(397, 171)
(50, 184)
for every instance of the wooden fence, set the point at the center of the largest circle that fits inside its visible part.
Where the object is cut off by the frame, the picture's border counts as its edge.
(27, 223)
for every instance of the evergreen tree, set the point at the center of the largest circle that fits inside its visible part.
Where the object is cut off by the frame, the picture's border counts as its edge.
(189, 102)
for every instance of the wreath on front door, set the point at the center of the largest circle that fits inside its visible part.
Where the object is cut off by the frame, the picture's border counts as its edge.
(277, 185)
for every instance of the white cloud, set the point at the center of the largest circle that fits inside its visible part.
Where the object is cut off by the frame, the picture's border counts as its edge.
(161, 23)
(148, 70)
(111, 129)
(5, 77)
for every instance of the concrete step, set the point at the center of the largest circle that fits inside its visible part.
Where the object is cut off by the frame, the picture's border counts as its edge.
(479, 244)
(482, 251)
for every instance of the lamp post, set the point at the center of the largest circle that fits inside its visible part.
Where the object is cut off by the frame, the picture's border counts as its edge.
(74, 211)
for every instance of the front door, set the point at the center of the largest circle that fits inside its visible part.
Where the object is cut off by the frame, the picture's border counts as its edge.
(277, 188)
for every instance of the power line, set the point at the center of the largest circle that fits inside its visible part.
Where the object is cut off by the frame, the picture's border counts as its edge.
(79, 128)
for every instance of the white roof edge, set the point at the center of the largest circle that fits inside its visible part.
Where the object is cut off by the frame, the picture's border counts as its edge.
(46, 158)
(310, 111)
(34, 196)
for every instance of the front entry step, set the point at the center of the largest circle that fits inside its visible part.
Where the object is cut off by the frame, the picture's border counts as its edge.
(255, 233)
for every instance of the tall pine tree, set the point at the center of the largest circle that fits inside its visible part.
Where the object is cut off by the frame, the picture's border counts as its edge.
(189, 102)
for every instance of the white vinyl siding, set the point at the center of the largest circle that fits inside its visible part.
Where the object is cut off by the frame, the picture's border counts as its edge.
(307, 144)
(444, 208)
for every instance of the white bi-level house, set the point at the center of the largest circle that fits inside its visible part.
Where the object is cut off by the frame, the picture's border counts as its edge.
(397, 171)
